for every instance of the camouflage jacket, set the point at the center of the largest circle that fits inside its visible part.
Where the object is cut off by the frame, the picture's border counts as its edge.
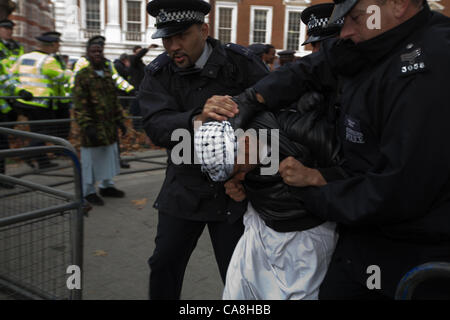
(96, 105)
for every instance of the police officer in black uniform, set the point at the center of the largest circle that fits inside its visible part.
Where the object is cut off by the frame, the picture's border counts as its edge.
(179, 87)
(394, 208)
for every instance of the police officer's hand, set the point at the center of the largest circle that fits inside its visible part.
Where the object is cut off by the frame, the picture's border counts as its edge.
(295, 174)
(218, 108)
(234, 188)
(25, 95)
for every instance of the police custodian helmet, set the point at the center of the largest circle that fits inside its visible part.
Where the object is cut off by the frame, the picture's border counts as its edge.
(316, 18)
(175, 16)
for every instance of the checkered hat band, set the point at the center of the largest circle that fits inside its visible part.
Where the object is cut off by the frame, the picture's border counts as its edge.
(317, 22)
(216, 146)
(179, 16)
(340, 21)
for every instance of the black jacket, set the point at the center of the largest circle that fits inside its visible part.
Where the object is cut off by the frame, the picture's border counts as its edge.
(169, 98)
(137, 68)
(307, 133)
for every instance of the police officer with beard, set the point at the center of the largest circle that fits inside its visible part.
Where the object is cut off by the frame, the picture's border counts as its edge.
(182, 86)
(394, 208)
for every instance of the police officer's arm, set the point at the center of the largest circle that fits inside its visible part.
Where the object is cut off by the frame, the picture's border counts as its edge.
(287, 84)
(120, 82)
(410, 176)
(52, 69)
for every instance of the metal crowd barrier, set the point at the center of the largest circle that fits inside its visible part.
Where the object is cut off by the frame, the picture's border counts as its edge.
(41, 228)
(414, 277)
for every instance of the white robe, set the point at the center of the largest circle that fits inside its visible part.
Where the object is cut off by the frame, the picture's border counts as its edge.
(271, 265)
(99, 163)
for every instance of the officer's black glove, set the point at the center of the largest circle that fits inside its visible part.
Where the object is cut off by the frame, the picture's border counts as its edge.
(248, 106)
(91, 133)
(310, 101)
(25, 95)
(122, 128)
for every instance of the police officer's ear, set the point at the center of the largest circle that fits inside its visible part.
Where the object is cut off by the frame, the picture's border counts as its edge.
(401, 7)
(204, 29)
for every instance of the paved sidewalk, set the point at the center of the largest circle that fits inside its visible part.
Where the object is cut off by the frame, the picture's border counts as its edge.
(119, 238)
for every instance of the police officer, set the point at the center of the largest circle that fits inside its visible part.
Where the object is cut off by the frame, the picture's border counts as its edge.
(316, 19)
(180, 86)
(10, 50)
(393, 209)
(40, 73)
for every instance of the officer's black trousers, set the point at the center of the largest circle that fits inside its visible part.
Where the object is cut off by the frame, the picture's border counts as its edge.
(38, 113)
(175, 241)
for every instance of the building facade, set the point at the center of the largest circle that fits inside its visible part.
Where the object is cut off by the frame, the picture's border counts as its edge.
(125, 23)
(271, 21)
(32, 18)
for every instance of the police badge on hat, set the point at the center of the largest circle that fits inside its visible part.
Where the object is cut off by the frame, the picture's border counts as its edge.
(175, 16)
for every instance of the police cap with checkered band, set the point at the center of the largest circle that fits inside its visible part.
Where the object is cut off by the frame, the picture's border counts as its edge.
(316, 19)
(175, 16)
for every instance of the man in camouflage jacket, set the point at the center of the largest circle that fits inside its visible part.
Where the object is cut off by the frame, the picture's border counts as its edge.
(99, 115)
(97, 108)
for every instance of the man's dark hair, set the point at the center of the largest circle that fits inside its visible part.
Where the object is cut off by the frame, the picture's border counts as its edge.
(267, 48)
(123, 56)
(136, 48)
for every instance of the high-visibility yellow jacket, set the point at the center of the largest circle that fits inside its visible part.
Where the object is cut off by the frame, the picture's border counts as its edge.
(62, 88)
(120, 82)
(8, 87)
(39, 73)
(10, 51)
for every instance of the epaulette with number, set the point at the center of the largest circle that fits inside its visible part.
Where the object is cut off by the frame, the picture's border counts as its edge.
(240, 50)
(412, 60)
(158, 63)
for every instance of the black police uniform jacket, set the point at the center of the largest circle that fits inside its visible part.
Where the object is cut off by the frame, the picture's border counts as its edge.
(394, 128)
(169, 99)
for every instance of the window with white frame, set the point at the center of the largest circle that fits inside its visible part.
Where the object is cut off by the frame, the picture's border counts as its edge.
(134, 21)
(295, 30)
(260, 24)
(92, 18)
(226, 21)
